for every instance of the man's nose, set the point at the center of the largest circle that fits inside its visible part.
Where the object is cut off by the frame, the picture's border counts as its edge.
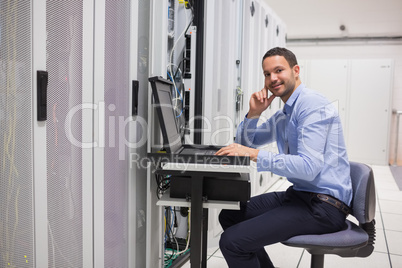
(273, 77)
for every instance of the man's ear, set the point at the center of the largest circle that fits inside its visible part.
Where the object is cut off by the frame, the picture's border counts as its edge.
(296, 70)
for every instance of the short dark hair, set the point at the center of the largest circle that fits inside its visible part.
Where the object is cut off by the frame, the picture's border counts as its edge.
(281, 51)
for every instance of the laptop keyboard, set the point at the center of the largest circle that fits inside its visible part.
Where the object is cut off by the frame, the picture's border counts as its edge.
(198, 151)
(209, 152)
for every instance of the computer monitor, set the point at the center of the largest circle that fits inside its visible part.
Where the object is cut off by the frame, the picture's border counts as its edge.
(162, 92)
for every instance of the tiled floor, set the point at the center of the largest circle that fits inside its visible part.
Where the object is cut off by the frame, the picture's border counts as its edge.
(388, 246)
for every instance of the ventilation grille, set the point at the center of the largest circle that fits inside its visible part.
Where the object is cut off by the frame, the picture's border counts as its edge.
(16, 190)
(64, 160)
(117, 87)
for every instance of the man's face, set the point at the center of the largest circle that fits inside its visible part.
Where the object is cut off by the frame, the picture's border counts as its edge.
(280, 78)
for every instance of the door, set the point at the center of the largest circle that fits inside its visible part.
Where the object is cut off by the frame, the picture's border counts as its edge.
(369, 112)
(16, 136)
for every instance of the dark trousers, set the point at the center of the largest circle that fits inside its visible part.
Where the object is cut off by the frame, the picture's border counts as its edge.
(270, 218)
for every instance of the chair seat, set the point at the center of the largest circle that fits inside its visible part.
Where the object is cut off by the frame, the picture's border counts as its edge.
(351, 237)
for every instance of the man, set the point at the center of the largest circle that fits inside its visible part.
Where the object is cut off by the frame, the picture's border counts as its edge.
(312, 155)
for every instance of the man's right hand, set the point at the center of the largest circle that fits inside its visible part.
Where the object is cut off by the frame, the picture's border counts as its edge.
(259, 103)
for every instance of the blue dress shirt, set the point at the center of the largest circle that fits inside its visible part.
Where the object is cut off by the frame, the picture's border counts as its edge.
(312, 152)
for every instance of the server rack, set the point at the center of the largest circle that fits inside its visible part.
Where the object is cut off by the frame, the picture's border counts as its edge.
(67, 187)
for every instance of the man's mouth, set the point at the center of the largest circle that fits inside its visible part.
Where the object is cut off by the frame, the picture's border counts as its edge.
(276, 86)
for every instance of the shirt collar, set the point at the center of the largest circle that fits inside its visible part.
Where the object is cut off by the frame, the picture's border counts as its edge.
(289, 105)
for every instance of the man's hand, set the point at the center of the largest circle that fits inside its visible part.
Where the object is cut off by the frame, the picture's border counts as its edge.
(236, 149)
(259, 103)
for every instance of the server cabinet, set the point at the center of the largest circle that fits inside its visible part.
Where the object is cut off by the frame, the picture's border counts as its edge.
(250, 70)
(260, 34)
(250, 57)
(279, 33)
(221, 71)
(264, 180)
(65, 176)
(222, 91)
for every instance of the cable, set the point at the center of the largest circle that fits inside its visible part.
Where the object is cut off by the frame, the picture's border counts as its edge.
(170, 73)
(189, 233)
(178, 91)
(169, 229)
(170, 219)
(162, 183)
(173, 234)
(174, 46)
(178, 67)
(175, 99)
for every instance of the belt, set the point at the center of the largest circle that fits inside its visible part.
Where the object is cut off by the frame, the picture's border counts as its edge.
(334, 202)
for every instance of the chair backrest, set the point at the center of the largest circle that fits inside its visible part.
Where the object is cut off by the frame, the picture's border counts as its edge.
(364, 199)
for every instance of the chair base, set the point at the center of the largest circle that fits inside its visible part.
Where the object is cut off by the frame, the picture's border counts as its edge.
(317, 261)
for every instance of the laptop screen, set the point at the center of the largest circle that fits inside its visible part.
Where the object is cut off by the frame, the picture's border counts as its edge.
(162, 91)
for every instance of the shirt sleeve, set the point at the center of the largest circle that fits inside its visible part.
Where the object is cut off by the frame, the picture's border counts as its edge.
(307, 147)
(251, 135)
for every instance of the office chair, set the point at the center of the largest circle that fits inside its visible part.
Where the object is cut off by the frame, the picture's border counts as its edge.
(353, 241)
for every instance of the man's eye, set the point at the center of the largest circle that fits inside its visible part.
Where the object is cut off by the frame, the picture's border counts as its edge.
(279, 70)
(266, 75)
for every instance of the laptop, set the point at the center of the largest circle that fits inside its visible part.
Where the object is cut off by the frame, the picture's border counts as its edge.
(176, 151)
